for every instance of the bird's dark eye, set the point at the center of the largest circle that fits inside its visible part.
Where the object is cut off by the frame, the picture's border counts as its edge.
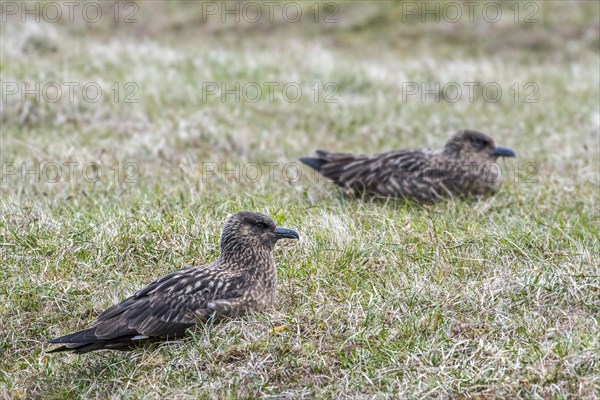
(478, 142)
(261, 224)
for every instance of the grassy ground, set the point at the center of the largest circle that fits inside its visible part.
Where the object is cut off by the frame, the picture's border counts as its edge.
(497, 298)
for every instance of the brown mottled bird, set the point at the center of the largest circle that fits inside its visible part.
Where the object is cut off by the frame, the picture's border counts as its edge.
(242, 279)
(465, 166)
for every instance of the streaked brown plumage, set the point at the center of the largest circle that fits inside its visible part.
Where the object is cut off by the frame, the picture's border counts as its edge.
(465, 166)
(242, 279)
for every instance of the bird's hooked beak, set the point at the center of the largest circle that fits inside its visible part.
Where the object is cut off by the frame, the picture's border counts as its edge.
(285, 233)
(504, 152)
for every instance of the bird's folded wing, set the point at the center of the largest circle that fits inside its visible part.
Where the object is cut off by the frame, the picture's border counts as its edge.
(165, 308)
(365, 172)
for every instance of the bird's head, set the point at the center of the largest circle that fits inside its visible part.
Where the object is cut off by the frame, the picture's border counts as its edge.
(475, 146)
(244, 230)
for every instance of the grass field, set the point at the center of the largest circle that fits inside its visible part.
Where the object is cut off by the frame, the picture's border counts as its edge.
(494, 298)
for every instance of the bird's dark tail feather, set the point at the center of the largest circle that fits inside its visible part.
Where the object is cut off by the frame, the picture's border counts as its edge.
(84, 336)
(78, 342)
(86, 340)
(80, 348)
(314, 163)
